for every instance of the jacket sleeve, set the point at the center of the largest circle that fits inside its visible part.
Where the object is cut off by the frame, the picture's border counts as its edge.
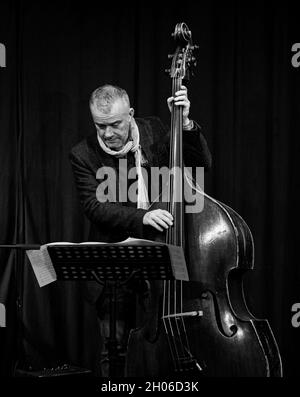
(195, 148)
(113, 216)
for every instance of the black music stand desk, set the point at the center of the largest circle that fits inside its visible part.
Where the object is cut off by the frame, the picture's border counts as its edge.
(117, 263)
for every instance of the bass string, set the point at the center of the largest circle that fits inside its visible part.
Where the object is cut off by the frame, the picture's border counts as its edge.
(169, 329)
(167, 311)
(167, 320)
(178, 213)
(180, 230)
(178, 343)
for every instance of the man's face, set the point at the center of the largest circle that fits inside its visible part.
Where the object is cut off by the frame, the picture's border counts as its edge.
(113, 128)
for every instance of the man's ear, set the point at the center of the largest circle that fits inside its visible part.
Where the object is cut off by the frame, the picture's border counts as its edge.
(131, 112)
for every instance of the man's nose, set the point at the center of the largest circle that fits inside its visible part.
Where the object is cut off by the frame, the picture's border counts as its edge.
(108, 133)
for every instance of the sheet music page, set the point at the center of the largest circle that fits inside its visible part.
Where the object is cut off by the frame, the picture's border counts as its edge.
(178, 263)
(61, 243)
(42, 265)
(129, 240)
(132, 240)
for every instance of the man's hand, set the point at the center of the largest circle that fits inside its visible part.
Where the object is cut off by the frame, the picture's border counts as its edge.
(159, 219)
(181, 99)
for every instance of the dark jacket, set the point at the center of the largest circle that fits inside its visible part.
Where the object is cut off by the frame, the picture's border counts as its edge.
(112, 222)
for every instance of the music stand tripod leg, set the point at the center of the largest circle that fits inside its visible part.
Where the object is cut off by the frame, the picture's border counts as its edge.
(112, 343)
(19, 275)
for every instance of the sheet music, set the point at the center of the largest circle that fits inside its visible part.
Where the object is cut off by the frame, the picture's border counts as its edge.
(129, 240)
(178, 263)
(42, 265)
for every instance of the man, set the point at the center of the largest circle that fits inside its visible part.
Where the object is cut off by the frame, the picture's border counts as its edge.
(119, 135)
(143, 143)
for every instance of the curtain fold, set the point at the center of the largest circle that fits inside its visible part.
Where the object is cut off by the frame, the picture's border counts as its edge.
(8, 182)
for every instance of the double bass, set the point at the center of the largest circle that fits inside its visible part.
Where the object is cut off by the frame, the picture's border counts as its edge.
(202, 326)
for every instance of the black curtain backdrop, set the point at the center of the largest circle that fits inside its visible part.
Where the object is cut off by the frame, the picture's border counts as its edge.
(245, 94)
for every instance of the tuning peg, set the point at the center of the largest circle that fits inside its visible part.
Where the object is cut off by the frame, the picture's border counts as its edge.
(167, 71)
(170, 56)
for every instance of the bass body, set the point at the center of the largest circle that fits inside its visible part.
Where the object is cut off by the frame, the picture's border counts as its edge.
(225, 339)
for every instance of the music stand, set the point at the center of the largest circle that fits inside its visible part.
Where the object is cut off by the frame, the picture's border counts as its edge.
(117, 263)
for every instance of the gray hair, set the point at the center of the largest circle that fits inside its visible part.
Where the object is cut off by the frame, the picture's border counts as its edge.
(102, 98)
